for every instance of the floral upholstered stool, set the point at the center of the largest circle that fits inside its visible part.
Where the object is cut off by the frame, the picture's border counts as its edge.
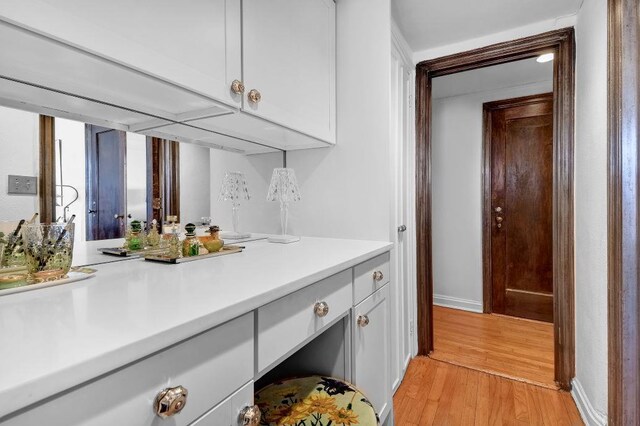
(314, 401)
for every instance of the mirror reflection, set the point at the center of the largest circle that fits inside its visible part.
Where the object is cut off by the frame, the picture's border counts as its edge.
(105, 178)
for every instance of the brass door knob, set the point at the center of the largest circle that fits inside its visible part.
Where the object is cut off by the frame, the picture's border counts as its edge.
(250, 416)
(378, 276)
(170, 401)
(321, 309)
(254, 96)
(237, 87)
(363, 320)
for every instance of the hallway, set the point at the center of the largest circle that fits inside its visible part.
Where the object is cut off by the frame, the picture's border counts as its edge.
(439, 393)
(511, 347)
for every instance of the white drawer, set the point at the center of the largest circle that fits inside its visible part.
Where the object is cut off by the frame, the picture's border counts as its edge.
(364, 282)
(289, 321)
(210, 366)
(227, 413)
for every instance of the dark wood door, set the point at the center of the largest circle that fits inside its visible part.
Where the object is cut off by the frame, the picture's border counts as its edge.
(520, 133)
(106, 182)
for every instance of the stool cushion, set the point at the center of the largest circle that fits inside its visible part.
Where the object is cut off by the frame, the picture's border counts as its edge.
(314, 401)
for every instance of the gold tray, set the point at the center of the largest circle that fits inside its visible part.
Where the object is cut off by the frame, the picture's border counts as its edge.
(16, 282)
(123, 252)
(166, 259)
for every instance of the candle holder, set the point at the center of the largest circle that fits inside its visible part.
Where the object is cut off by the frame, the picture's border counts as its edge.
(283, 188)
(234, 188)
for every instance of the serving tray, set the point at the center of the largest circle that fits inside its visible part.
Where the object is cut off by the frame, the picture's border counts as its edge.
(166, 259)
(16, 282)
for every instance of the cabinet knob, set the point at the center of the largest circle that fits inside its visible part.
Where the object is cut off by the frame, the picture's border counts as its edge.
(250, 416)
(237, 87)
(170, 401)
(254, 96)
(378, 276)
(321, 309)
(363, 320)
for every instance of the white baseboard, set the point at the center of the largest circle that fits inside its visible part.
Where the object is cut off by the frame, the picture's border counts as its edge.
(457, 303)
(589, 414)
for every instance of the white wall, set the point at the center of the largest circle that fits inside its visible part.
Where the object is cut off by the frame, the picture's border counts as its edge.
(195, 183)
(257, 214)
(19, 155)
(346, 190)
(457, 193)
(591, 202)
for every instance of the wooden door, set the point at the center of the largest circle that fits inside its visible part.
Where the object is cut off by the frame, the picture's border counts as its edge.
(288, 55)
(163, 180)
(519, 137)
(106, 182)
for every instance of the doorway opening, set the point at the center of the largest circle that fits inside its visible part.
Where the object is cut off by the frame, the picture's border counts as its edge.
(554, 291)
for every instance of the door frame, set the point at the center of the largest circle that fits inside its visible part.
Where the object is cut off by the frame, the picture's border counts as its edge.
(487, 213)
(562, 44)
(623, 212)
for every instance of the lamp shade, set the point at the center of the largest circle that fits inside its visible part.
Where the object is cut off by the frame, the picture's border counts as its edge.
(284, 186)
(234, 188)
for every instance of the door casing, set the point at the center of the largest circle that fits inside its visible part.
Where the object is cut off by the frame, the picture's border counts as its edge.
(562, 44)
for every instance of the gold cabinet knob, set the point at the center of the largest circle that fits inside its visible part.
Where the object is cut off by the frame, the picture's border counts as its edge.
(363, 320)
(321, 309)
(378, 276)
(237, 87)
(250, 416)
(254, 96)
(170, 401)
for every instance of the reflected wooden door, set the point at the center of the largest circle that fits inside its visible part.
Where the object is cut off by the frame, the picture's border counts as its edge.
(106, 182)
(519, 137)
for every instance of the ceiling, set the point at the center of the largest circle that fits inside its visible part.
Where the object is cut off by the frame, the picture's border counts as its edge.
(491, 78)
(433, 23)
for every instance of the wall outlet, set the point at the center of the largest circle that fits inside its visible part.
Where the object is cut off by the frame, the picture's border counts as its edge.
(22, 185)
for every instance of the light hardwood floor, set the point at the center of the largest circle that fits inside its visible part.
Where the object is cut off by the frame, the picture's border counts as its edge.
(438, 393)
(511, 347)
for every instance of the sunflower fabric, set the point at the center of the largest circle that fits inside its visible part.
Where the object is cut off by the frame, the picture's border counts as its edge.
(314, 401)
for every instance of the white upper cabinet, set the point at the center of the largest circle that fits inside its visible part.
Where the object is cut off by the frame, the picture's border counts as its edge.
(172, 65)
(194, 45)
(289, 51)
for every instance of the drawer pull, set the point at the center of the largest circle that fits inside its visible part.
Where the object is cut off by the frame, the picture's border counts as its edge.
(363, 320)
(378, 276)
(237, 87)
(250, 416)
(321, 309)
(170, 401)
(254, 96)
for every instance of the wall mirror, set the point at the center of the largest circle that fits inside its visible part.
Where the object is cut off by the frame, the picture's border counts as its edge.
(92, 166)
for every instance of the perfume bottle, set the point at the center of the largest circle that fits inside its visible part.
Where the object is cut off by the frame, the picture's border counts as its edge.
(135, 241)
(153, 239)
(174, 245)
(212, 242)
(191, 244)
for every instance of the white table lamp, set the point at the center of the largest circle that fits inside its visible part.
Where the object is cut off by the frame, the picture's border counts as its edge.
(283, 188)
(234, 188)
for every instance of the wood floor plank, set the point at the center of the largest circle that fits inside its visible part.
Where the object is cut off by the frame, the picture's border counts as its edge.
(496, 344)
(438, 393)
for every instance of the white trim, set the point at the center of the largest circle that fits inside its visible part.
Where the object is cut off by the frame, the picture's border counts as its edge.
(400, 44)
(457, 303)
(512, 34)
(589, 414)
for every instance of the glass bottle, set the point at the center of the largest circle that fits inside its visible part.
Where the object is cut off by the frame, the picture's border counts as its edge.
(191, 244)
(174, 245)
(153, 239)
(212, 242)
(135, 241)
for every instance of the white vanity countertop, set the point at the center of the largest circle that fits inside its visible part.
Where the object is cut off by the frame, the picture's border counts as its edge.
(54, 338)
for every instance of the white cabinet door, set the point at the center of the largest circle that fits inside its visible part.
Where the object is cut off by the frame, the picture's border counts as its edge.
(195, 45)
(288, 52)
(227, 413)
(371, 351)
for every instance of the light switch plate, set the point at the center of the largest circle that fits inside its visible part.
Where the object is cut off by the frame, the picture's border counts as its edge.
(22, 185)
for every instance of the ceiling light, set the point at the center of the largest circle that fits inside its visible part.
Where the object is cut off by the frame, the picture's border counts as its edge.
(547, 57)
